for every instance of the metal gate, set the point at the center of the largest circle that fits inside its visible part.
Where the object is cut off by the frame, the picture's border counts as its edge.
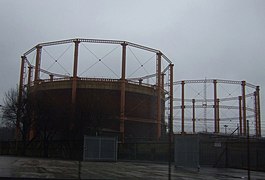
(100, 148)
(187, 151)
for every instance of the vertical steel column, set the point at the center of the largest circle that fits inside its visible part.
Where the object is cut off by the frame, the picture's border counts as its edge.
(51, 77)
(36, 81)
(29, 77)
(140, 81)
(20, 94)
(240, 114)
(244, 107)
(182, 107)
(248, 149)
(215, 106)
(158, 85)
(170, 124)
(37, 65)
(74, 81)
(193, 116)
(258, 110)
(32, 131)
(171, 101)
(21, 79)
(32, 128)
(163, 81)
(256, 114)
(218, 115)
(123, 81)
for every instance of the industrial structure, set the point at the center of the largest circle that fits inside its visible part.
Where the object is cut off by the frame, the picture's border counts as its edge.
(130, 105)
(127, 107)
(209, 105)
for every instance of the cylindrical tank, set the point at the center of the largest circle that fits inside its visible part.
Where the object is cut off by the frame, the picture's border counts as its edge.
(70, 104)
(97, 107)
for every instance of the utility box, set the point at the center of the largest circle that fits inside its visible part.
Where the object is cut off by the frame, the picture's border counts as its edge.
(187, 151)
(100, 148)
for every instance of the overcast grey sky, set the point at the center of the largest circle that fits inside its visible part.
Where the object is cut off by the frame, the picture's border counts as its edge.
(222, 39)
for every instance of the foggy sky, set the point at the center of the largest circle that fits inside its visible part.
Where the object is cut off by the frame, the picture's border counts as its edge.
(222, 39)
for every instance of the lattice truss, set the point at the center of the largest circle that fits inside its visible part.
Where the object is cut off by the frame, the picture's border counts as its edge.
(198, 114)
(100, 60)
(96, 59)
(121, 62)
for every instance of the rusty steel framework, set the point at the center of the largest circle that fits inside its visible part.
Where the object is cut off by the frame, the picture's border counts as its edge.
(186, 102)
(54, 76)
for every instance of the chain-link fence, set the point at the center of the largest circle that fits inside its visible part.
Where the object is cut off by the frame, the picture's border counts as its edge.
(51, 149)
(214, 151)
(144, 151)
(232, 152)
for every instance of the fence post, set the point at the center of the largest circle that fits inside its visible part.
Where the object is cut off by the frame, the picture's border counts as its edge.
(135, 151)
(248, 153)
(79, 169)
(226, 154)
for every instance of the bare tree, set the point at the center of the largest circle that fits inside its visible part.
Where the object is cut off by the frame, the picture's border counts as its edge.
(36, 117)
(10, 108)
(45, 117)
(18, 115)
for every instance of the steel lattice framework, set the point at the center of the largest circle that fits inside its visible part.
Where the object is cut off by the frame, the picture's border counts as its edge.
(30, 75)
(237, 102)
(33, 79)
